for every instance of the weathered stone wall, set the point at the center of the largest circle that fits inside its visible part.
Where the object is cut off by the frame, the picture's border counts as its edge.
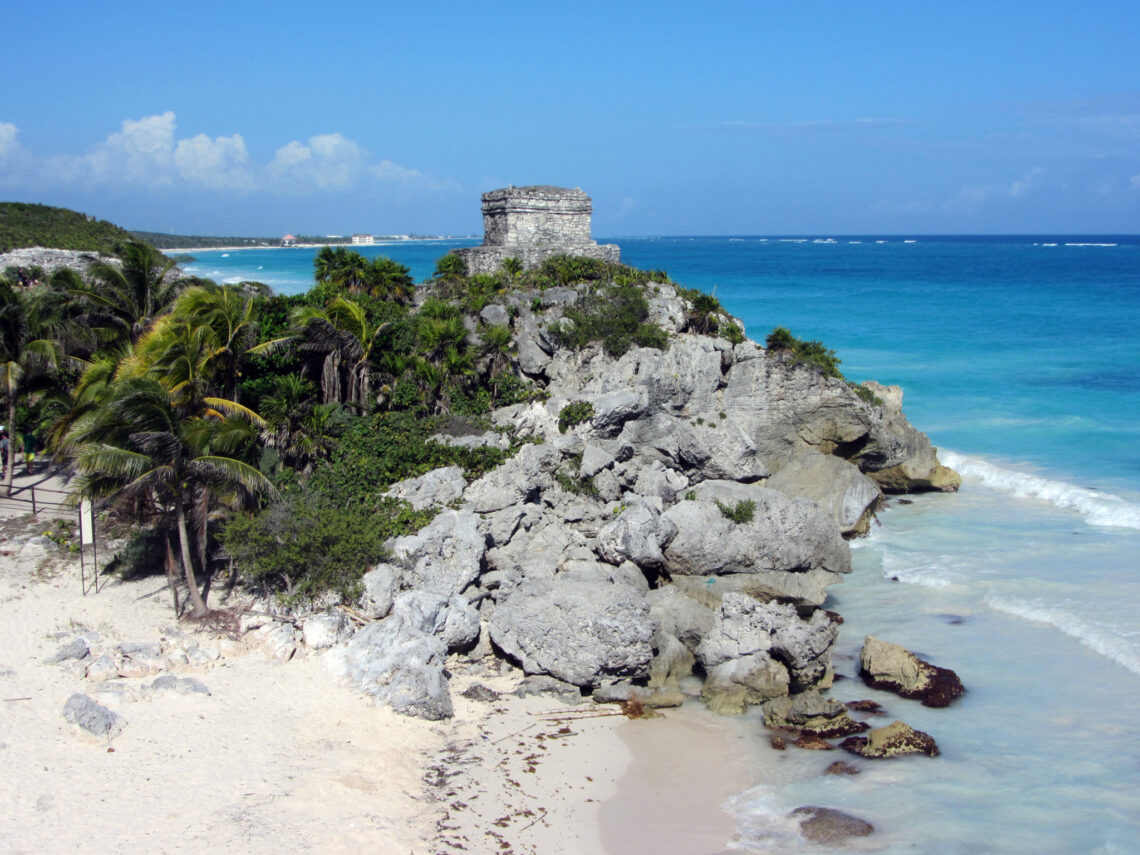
(533, 224)
(535, 216)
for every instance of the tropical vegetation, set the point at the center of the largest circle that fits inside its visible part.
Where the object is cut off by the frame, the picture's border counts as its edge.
(26, 225)
(242, 434)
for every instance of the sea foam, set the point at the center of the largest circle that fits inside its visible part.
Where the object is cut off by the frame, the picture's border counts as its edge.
(1097, 508)
(1102, 638)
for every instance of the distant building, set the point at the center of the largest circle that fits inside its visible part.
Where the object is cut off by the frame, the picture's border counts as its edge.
(289, 240)
(364, 240)
(532, 224)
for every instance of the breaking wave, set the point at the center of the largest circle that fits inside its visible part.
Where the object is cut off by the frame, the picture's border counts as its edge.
(1102, 638)
(1097, 508)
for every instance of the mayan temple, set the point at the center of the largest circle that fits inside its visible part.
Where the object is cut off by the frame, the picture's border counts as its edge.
(532, 224)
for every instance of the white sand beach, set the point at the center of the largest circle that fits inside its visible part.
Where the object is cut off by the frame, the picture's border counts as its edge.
(279, 756)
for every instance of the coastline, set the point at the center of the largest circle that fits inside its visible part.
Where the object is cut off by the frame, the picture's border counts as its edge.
(683, 770)
(184, 249)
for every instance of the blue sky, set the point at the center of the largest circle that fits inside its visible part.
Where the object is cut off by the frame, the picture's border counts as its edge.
(255, 118)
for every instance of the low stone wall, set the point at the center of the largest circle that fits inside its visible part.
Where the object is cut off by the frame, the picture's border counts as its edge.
(488, 259)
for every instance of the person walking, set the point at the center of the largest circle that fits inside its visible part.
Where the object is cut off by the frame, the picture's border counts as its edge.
(4, 445)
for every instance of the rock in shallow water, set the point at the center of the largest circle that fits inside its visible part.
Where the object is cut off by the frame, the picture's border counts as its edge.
(895, 669)
(894, 740)
(827, 825)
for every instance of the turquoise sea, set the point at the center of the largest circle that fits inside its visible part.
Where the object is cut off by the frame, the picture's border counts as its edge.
(1020, 357)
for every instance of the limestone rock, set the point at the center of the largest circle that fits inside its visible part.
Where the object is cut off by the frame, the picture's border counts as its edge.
(637, 535)
(84, 712)
(893, 668)
(810, 712)
(103, 667)
(323, 631)
(141, 660)
(680, 616)
(785, 538)
(380, 585)
(847, 495)
(672, 662)
(445, 556)
(829, 826)
(579, 632)
(894, 740)
(438, 487)
(75, 649)
(397, 664)
(517, 481)
(543, 684)
(735, 684)
(744, 627)
(178, 685)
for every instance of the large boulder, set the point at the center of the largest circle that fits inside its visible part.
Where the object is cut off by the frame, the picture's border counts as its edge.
(438, 487)
(847, 495)
(637, 535)
(789, 550)
(445, 556)
(894, 740)
(398, 664)
(893, 668)
(746, 627)
(810, 712)
(580, 632)
(789, 408)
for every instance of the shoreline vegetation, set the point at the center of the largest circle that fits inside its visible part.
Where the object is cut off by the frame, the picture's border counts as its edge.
(520, 513)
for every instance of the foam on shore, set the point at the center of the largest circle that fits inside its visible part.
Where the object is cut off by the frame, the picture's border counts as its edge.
(1103, 509)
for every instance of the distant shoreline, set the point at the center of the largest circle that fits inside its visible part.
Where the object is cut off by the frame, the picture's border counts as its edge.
(309, 245)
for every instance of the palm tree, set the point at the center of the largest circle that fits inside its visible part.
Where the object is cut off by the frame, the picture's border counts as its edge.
(30, 351)
(225, 317)
(150, 441)
(295, 426)
(389, 280)
(342, 339)
(127, 298)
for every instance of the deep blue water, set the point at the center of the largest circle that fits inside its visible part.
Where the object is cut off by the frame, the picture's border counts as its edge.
(1020, 357)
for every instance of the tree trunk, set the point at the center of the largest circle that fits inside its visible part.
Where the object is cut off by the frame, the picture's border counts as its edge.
(11, 461)
(171, 579)
(196, 601)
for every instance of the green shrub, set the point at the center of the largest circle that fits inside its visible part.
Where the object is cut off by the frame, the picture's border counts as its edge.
(569, 480)
(865, 394)
(615, 315)
(574, 414)
(306, 547)
(741, 512)
(805, 352)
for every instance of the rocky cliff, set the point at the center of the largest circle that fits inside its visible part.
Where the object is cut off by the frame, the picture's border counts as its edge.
(691, 520)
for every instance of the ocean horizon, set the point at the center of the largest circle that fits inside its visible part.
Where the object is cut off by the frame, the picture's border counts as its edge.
(1018, 356)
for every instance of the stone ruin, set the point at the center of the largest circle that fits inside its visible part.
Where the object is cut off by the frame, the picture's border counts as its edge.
(533, 224)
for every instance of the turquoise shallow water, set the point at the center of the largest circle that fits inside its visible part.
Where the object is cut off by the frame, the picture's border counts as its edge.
(1019, 357)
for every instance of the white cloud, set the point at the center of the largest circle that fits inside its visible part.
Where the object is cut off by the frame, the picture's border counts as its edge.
(9, 144)
(1031, 181)
(147, 153)
(221, 163)
(1134, 183)
(140, 154)
(329, 162)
